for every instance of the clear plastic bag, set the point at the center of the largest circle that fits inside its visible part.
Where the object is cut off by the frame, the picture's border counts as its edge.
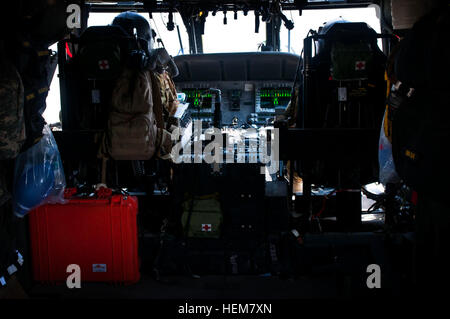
(387, 172)
(38, 176)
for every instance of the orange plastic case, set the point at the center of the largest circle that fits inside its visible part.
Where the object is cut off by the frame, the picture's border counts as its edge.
(99, 235)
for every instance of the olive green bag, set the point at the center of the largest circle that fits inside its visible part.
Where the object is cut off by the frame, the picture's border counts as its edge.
(202, 217)
(351, 61)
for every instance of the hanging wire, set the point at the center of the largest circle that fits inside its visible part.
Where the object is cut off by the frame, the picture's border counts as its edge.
(162, 20)
(157, 31)
(293, 38)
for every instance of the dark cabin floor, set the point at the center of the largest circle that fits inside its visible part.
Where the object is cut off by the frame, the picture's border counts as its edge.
(341, 280)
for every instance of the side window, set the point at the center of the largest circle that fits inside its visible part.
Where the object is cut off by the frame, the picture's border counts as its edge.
(169, 39)
(53, 108)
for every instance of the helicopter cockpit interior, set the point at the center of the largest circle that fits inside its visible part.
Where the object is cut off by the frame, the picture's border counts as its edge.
(186, 164)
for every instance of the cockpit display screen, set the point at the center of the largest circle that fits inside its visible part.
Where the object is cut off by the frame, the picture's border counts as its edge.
(273, 97)
(198, 98)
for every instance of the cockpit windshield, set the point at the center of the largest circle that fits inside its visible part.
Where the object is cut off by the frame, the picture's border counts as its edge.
(225, 34)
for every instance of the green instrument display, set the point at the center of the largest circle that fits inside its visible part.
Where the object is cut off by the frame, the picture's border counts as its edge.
(271, 97)
(198, 98)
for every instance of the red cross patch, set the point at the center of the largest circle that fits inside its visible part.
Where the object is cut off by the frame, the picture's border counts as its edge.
(206, 227)
(360, 65)
(103, 64)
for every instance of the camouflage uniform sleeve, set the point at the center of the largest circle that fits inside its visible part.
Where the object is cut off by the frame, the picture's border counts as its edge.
(12, 125)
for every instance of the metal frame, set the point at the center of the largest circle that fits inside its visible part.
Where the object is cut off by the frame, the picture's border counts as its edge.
(239, 5)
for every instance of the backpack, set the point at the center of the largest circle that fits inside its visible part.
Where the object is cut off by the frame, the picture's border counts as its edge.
(101, 52)
(12, 124)
(101, 55)
(133, 124)
(418, 106)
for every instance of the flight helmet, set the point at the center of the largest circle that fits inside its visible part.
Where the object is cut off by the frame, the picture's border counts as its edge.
(132, 22)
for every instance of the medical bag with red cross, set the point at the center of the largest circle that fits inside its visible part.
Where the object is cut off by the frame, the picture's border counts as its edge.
(103, 64)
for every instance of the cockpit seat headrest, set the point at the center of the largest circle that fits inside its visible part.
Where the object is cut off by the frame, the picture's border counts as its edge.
(344, 31)
(94, 33)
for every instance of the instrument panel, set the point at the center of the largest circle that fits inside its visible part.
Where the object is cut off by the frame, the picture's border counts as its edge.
(242, 103)
(253, 85)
